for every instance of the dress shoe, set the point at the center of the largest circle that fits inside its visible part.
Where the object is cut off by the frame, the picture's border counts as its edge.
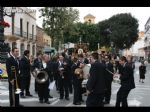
(29, 95)
(47, 102)
(106, 102)
(67, 98)
(50, 96)
(82, 101)
(78, 103)
(20, 105)
(22, 96)
(61, 98)
(41, 101)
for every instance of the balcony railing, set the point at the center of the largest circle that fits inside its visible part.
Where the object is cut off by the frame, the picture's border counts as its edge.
(24, 35)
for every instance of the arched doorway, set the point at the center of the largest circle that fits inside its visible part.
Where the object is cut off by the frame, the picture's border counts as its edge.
(33, 50)
(22, 49)
(14, 44)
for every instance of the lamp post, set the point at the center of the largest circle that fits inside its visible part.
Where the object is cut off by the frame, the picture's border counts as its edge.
(1, 29)
(80, 40)
(98, 45)
(4, 47)
(112, 45)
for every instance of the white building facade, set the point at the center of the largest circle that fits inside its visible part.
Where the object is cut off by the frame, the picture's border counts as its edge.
(138, 48)
(22, 30)
(147, 40)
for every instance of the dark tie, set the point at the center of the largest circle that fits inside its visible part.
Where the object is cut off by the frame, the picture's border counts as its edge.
(17, 61)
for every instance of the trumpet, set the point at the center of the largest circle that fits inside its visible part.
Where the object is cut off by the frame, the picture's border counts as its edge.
(17, 87)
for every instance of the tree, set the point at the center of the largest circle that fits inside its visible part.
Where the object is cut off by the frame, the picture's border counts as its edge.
(124, 30)
(87, 32)
(57, 20)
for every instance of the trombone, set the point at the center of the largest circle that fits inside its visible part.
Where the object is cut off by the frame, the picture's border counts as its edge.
(17, 87)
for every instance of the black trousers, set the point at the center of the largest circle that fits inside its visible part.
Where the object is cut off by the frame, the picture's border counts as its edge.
(63, 87)
(70, 86)
(77, 91)
(43, 91)
(13, 98)
(122, 95)
(107, 95)
(25, 85)
(35, 86)
(95, 100)
(56, 78)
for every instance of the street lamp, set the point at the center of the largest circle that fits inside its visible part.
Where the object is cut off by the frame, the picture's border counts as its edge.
(98, 45)
(80, 40)
(4, 47)
(112, 44)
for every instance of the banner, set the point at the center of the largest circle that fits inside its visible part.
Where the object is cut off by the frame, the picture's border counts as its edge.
(3, 72)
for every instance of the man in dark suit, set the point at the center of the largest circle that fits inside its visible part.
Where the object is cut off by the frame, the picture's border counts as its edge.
(109, 79)
(63, 77)
(43, 91)
(25, 74)
(50, 70)
(127, 83)
(13, 77)
(37, 64)
(76, 83)
(96, 83)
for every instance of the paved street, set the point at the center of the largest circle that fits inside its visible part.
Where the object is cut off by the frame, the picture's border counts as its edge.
(137, 97)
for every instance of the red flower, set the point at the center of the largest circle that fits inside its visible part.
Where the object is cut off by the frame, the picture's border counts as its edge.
(4, 24)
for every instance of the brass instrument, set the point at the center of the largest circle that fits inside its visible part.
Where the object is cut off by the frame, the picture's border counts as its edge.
(79, 72)
(40, 76)
(116, 76)
(17, 87)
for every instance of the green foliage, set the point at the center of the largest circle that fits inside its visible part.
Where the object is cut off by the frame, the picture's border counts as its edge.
(87, 32)
(124, 30)
(57, 20)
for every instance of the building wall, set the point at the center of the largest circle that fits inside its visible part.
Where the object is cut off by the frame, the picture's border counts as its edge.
(46, 40)
(40, 43)
(89, 18)
(138, 44)
(22, 40)
(147, 40)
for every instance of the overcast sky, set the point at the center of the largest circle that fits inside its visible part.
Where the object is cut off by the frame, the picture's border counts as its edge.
(102, 13)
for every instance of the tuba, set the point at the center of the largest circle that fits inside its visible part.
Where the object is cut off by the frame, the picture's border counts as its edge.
(40, 76)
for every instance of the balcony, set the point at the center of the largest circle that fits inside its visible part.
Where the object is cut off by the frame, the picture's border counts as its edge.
(24, 35)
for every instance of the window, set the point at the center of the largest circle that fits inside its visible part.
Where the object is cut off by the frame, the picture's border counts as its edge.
(21, 26)
(22, 49)
(27, 29)
(32, 31)
(14, 44)
(33, 50)
(28, 47)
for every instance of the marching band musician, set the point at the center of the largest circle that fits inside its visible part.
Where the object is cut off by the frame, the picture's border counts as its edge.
(13, 78)
(127, 83)
(37, 64)
(25, 74)
(63, 78)
(109, 79)
(96, 83)
(81, 64)
(43, 91)
(76, 83)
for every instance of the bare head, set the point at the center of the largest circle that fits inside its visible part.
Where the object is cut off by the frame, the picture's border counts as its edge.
(15, 52)
(46, 58)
